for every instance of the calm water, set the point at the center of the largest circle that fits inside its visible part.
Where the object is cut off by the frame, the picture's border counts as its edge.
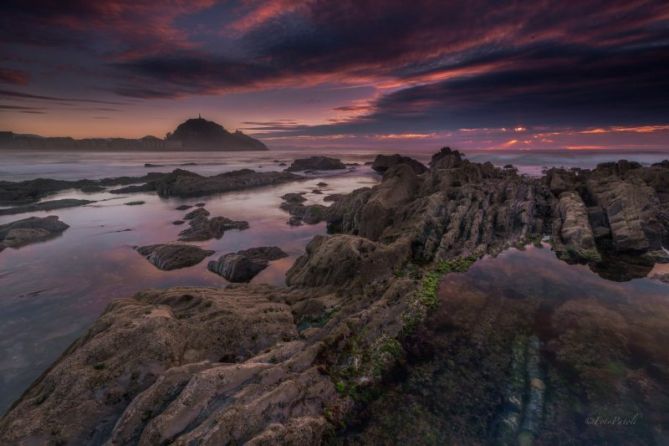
(600, 350)
(51, 292)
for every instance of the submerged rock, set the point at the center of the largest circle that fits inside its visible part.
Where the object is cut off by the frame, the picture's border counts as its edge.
(173, 256)
(93, 188)
(30, 230)
(135, 203)
(339, 259)
(46, 206)
(243, 266)
(316, 163)
(29, 191)
(294, 197)
(203, 228)
(310, 214)
(197, 213)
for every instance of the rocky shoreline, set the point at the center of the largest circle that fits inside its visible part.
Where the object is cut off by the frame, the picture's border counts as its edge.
(258, 365)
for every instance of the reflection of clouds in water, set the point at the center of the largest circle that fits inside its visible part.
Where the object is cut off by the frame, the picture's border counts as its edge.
(537, 272)
(91, 264)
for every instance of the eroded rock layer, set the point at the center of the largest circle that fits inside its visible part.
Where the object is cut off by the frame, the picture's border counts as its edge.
(254, 364)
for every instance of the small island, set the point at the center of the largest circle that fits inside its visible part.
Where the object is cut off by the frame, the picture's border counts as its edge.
(194, 134)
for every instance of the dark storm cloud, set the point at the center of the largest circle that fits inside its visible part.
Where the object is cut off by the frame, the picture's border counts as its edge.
(20, 108)
(436, 64)
(39, 97)
(594, 89)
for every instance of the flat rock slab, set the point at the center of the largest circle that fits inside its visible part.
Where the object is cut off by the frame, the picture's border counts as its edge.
(174, 256)
(316, 163)
(30, 230)
(243, 266)
(45, 206)
(185, 184)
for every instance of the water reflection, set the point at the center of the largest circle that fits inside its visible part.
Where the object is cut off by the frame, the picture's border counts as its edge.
(471, 374)
(51, 292)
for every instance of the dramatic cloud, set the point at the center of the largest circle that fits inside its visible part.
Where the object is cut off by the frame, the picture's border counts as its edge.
(15, 77)
(432, 66)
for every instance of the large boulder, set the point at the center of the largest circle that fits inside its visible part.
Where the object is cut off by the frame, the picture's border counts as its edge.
(299, 212)
(399, 186)
(384, 162)
(339, 259)
(244, 265)
(575, 234)
(316, 163)
(173, 256)
(630, 210)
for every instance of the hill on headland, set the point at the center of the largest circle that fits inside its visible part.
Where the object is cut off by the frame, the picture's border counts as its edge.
(203, 134)
(193, 134)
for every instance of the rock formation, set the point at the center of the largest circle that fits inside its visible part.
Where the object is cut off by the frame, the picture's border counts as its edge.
(316, 163)
(30, 191)
(204, 228)
(45, 206)
(254, 364)
(243, 266)
(384, 162)
(299, 212)
(173, 256)
(626, 208)
(197, 213)
(184, 184)
(30, 230)
(178, 183)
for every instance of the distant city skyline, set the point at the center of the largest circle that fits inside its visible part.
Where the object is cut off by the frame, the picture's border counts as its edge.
(473, 75)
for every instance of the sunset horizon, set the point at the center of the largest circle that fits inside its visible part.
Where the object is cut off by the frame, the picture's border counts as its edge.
(343, 75)
(334, 222)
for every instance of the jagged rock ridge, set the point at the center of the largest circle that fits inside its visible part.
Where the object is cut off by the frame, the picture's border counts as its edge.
(287, 365)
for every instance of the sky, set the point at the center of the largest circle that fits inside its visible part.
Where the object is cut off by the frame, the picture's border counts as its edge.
(472, 74)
